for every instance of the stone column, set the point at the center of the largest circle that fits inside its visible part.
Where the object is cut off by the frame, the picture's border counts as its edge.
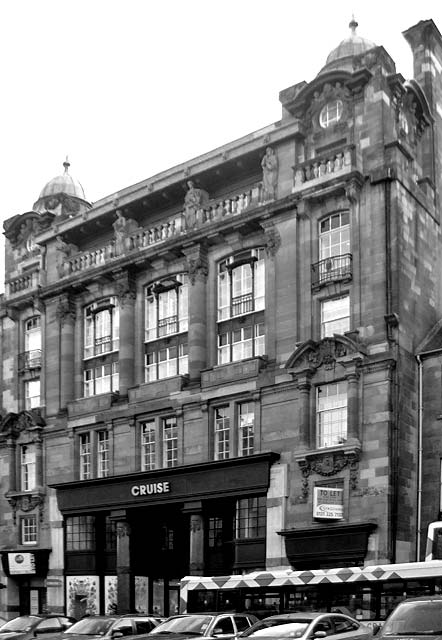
(197, 334)
(66, 316)
(12, 448)
(124, 576)
(352, 406)
(79, 351)
(304, 386)
(126, 294)
(196, 556)
(38, 443)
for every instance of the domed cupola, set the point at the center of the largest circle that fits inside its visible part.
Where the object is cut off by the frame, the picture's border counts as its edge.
(343, 55)
(63, 196)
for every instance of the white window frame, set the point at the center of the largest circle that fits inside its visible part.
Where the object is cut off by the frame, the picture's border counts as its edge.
(241, 284)
(164, 365)
(331, 414)
(28, 469)
(101, 327)
(222, 444)
(246, 428)
(167, 308)
(85, 455)
(335, 316)
(102, 378)
(103, 453)
(33, 334)
(32, 393)
(331, 113)
(29, 529)
(169, 432)
(148, 445)
(334, 241)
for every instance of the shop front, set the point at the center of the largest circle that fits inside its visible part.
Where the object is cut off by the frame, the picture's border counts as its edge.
(130, 539)
(27, 572)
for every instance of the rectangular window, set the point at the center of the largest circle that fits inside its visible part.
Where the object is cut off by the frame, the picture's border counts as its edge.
(101, 379)
(29, 530)
(241, 343)
(251, 517)
(110, 534)
(215, 534)
(101, 327)
(241, 284)
(148, 449)
(166, 362)
(335, 316)
(170, 442)
(85, 456)
(27, 468)
(166, 307)
(80, 533)
(33, 334)
(331, 414)
(246, 429)
(222, 433)
(32, 394)
(103, 454)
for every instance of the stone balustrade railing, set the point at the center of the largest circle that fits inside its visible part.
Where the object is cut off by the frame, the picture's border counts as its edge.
(323, 166)
(24, 282)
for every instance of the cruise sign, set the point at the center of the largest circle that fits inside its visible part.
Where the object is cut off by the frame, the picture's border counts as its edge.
(328, 503)
(150, 489)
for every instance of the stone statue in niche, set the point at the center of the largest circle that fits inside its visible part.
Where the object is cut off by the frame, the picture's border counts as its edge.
(123, 227)
(64, 250)
(195, 199)
(269, 164)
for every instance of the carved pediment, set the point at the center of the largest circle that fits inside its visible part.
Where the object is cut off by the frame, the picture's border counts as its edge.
(14, 423)
(326, 353)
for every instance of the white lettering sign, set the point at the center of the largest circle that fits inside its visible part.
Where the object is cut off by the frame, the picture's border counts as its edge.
(21, 563)
(150, 489)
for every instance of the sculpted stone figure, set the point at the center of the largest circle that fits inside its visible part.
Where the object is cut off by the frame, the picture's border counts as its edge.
(64, 250)
(269, 164)
(194, 200)
(123, 227)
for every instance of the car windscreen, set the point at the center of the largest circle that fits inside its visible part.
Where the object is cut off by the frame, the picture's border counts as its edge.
(185, 624)
(278, 627)
(22, 623)
(415, 618)
(91, 626)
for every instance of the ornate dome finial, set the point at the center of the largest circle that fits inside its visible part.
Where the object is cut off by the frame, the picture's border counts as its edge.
(353, 25)
(66, 165)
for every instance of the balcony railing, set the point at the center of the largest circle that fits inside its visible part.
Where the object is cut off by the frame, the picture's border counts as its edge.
(323, 167)
(23, 283)
(29, 360)
(332, 269)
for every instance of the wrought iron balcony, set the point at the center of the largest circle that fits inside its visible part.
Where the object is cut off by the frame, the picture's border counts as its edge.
(333, 269)
(29, 360)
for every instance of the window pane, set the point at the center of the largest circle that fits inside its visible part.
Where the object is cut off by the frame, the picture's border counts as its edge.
(331, 414)
(246, 426)
(32, 394)
(103, 454)
(80, 533)
(335, 316)
(222, 434)
(170, 443)
(29, 530)
(251, 517)
(85, 456)
(27, 467)
(148, 446)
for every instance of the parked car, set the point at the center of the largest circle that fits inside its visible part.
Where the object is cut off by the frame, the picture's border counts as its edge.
(2, 621)
(27, 627)
(106, 627)
(191, 625)
(310, 625)
(417, 617)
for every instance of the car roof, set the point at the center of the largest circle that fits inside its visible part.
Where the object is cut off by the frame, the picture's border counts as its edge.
(298, 615)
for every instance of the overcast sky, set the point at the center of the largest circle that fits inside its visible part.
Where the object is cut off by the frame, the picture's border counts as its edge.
(128, 88)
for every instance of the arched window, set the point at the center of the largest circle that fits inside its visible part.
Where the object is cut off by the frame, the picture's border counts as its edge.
(330, 114)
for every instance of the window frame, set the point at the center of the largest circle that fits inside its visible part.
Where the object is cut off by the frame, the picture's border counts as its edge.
(28, 525)
(154, 293)
(96, 309)
(331, 437)
(231, 444)
(92, 460)
(82, 536)
(331, 113)
(251, 517)
(339, 320)
(28, 467)
(32, 400)
(164, 447)
(335, 240)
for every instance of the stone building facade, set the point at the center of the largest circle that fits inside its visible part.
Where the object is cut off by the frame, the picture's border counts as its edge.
(214, 370)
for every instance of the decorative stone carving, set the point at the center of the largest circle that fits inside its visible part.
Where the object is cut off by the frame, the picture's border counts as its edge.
(269, 165)
(125, 288)
(326, 353)
(64, 250)
(352, 191)
(123, 228)
(195, 199)
(327, 464)
(196, 268)
(25, 503)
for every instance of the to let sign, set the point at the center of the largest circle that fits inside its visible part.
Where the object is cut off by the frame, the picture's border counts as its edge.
(328, 503)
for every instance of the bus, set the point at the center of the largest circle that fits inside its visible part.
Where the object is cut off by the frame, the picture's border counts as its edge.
(368, 594)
